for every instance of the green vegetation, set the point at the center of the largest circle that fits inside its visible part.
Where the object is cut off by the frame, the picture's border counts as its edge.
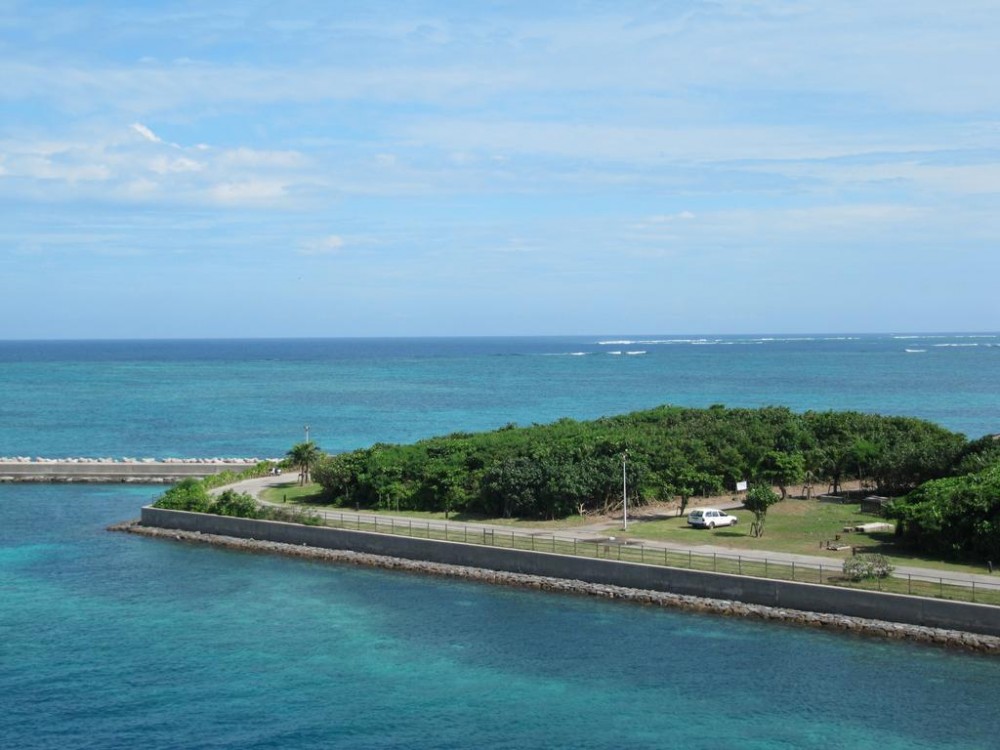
(955, 518)
(782, 469)
(188, 494)
(947, 489)
(229, 477)
(867, 567)
(293, 492)
(303, 456)
(193, 495)
(569, 467)
(795, 525)
(758, 499)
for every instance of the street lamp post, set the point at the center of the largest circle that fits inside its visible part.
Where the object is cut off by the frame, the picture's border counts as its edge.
(307, 433)
(624, 494)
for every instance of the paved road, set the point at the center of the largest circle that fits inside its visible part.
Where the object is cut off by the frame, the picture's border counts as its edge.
(610, 531)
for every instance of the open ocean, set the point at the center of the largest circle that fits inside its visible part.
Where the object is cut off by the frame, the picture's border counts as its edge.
(114, 641)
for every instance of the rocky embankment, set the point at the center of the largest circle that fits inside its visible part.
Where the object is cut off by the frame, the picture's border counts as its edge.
(860, 626)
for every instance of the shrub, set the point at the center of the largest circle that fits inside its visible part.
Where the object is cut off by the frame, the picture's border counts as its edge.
(292, 515)
(867, 567)
(230, 503)
(189, 494)
(193, 495)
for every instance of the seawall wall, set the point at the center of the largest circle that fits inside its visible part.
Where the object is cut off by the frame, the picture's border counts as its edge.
(909, 610)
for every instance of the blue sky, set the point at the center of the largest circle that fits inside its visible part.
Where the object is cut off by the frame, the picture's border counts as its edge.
(190, 169)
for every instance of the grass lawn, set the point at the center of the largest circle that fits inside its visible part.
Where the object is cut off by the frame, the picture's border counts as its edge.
(796, 526)
(291, 492)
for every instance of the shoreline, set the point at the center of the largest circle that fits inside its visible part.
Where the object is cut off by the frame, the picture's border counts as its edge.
(971, 642)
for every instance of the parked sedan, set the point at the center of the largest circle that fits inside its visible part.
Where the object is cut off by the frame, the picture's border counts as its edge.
(709, 518)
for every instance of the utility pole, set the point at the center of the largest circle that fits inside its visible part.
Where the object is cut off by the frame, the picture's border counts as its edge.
(624, 494)
(307, 433)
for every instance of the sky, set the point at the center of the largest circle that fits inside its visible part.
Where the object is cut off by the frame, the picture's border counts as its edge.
(434, 168)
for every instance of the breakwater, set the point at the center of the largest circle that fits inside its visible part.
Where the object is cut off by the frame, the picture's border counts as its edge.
(975, 627)
(140, 471)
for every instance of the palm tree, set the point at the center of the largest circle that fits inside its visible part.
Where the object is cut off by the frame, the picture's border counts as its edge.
(304, 456)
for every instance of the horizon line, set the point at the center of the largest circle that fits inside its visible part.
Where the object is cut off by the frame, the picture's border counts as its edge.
(398, 337)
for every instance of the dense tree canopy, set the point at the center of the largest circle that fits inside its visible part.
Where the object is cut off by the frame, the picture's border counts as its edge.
(550, 471)
(957, 517)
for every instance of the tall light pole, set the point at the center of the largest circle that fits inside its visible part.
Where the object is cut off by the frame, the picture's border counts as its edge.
(624, 494)
(307, 433)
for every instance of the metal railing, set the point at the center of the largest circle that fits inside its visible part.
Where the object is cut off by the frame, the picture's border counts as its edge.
(931, 584)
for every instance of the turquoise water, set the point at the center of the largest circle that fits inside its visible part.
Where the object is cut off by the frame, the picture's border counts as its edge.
(253, 398)
(114, 641)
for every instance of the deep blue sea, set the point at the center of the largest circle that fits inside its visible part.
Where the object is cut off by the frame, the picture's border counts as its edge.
(114, 641)
(253, 398)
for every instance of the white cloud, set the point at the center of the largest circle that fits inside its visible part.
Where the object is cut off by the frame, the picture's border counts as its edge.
(545, 140)
(651, 144)
(917, 172)
(145, 132)
(253, 192)
(905, 52)
(518, 245)
(167, 165)
(668, 218)
(329, 245)
(248, 157)
(140, 189)
(759, 232)
(856, 218)
(152, 170)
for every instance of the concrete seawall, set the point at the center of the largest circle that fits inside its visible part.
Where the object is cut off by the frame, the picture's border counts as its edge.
(146, 472)
(774, 595)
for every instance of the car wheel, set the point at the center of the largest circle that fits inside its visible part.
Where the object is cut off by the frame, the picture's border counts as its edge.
(735, 521)
(711, 526)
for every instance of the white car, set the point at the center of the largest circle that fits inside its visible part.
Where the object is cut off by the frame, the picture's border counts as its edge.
(709, 518)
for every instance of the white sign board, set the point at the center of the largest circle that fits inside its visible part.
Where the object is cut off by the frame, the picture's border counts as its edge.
(741, 486)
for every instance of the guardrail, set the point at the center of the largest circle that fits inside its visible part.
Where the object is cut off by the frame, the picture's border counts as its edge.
(930, 585)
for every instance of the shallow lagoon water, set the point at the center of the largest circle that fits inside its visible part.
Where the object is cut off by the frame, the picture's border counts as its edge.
(114, 641)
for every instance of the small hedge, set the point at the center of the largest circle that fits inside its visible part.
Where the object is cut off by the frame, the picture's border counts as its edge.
(867, 567)
(193, 495)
